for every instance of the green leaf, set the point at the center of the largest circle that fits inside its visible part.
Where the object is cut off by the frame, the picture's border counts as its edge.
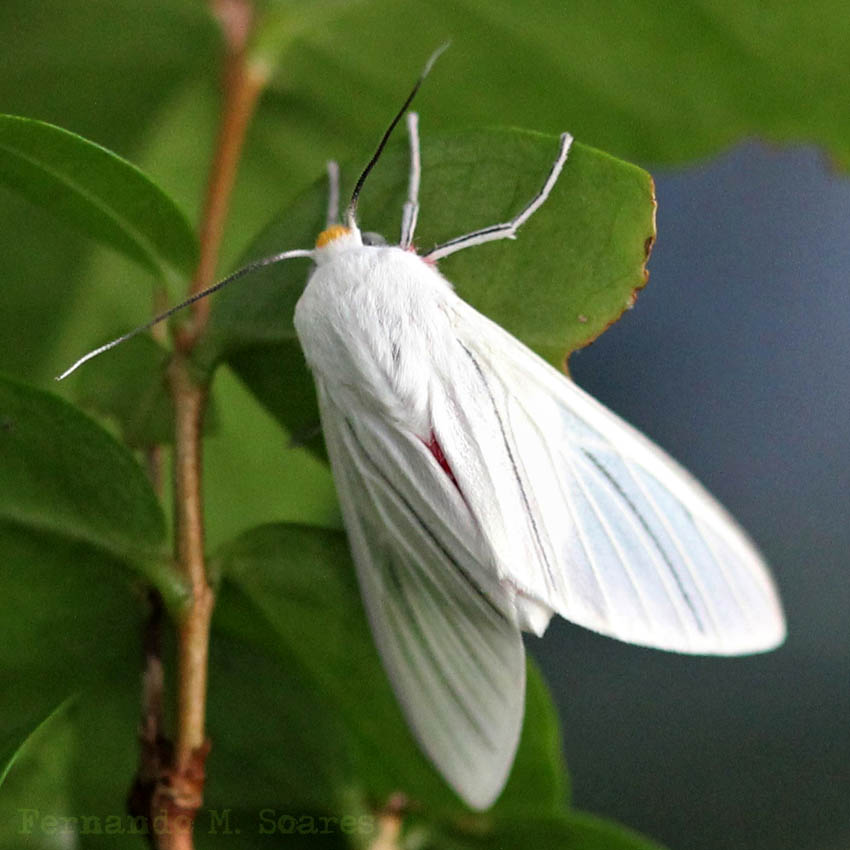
(39, 786)
(76, 627)
(252, 473)
(264, 712)
(146, 58)
(291, 590)
(103, 70)
(131, 387)
(98, 192)
(275, 747)
(62, 476)
(574, 268)
(278, 378)
(73, 627)
(14, 741)
(660, 82)
(539, 781)
(575, 831)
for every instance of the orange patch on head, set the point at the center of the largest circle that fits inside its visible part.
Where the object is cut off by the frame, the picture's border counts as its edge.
(330, 234)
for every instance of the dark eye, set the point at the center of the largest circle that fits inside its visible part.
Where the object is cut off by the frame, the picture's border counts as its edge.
(370, 238)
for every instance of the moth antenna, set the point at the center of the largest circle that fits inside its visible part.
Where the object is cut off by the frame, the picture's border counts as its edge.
(332, 216)
(253, 266)
(351, 211)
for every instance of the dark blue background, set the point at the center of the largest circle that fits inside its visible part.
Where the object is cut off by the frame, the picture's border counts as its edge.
(735, 359)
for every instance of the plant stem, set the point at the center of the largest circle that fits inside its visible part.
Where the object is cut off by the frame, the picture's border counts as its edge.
(179, 792)
(243, 84)
(190, 401)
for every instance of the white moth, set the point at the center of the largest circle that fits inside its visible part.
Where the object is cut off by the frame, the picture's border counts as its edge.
(483, 492)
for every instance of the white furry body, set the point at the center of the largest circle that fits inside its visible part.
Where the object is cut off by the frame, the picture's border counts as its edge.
(369, 320)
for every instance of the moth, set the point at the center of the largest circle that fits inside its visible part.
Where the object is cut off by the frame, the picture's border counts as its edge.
(483, 492)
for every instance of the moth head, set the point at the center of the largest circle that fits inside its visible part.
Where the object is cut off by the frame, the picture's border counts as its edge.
(335, 240)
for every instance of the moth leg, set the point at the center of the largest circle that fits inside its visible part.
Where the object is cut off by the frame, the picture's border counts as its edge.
(508, 229)
(332, 216)
(411, 206)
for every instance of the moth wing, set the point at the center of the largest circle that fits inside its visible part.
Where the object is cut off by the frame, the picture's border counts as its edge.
(590, 517)
(444, 628)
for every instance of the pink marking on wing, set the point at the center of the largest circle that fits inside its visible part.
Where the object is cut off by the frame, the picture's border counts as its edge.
(437, 450)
